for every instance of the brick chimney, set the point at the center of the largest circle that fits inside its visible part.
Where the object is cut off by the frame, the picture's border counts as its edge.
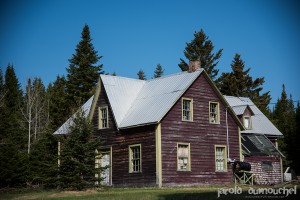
(194, 65)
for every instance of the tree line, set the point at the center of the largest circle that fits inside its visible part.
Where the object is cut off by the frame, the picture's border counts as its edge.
(28, 119)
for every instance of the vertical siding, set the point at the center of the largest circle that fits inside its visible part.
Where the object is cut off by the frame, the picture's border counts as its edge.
(202, 137)
(120, 141)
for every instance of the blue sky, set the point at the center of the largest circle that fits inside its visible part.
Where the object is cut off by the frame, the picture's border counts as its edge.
(39, 36)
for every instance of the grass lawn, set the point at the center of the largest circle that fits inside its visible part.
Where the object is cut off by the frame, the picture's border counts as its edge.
(204, 193)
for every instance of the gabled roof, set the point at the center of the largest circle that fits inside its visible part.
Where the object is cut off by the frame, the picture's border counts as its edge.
(260, 123)
(141, 102)
(253, 144)
(135, 102)
(64, 129)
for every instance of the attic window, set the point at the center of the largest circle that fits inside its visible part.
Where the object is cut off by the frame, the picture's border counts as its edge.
(214, 113)
(187, 109)
(247, 122)
(103, 117)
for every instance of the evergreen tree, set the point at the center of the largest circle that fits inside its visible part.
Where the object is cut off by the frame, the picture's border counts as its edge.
(201, 48)
(77, 166)
(296, 158)
(284, 119)
(239, 83)
(43, 168)
(2, 90)
(14, 160)
(83, 71)
(159, 71)
(141, 75)
(59, 109)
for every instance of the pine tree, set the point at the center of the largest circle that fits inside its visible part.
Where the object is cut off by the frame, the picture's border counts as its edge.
(284, 118)
(83, 71)
(239, 83)
(201, 48)
(141, 75)
(59, 109)
(77, 165)
(14, 160)
(296, 158)
(159, 71)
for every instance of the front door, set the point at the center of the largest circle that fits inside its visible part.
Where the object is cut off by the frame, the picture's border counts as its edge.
(106, 167)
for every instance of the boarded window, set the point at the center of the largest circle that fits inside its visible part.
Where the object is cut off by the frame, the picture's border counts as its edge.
(187, 109)
(103, 117)
(135, 158)
(266, 165)
(214, 112)
(220, 156)
(183, 157)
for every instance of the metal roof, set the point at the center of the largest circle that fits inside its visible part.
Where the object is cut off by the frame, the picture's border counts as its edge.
(135, 102)
(64, 129)
(260, 123)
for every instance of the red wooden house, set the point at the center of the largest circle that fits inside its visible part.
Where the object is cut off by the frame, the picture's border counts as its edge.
(169, 131)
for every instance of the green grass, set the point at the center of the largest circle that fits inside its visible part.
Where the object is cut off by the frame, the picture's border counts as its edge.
(207, 192)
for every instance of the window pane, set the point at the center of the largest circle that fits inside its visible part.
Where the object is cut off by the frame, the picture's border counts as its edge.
(213, 112)
(186, 110)
(220, 159)
(183, 157)
(135, 159)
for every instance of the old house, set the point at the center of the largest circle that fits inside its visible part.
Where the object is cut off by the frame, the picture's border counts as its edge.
(259, 141)
(173, 130)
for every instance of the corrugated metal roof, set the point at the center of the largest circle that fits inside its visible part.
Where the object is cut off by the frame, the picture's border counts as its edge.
(64, 129)
(121, 93)
(156, 98)
(239, 110)
(260, 123)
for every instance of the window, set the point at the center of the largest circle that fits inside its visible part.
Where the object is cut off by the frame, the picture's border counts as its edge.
(103, 117)
(247, 122)
(220, 156)
(183, 157)
(135, 158)
(187, 109)
(214, 112)
(266, 165)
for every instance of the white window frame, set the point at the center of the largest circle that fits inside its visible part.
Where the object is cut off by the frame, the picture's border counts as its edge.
(216, 113)
(220, 162)
(131, 158)
(183, 162)
(101, 124)
(184, 111)
(249, 122)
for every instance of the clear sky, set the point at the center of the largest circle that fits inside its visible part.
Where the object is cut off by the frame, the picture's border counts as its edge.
(39, 36)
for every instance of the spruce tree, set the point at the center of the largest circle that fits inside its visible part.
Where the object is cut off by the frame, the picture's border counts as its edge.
(239, 83)
(13, 155)
(201, 48)
(83, 71)
(59, 110)
(284, 119)
(77, 160)
(159, 71)
(141, 75)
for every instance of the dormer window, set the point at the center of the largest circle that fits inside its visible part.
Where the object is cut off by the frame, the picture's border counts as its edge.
(247, 122)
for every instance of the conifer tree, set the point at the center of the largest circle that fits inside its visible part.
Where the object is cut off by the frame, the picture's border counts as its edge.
(159, 71)
(77, 165)
(239, 83)
(59, 110)
(284, 119)
(14, 160)
(201, 48)
(141, 75)
(83, 71)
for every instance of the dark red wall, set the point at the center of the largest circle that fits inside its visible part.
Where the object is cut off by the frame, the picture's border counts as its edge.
(202, 137)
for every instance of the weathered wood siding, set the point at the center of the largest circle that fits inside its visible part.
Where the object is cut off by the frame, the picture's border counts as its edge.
(202, 137)
(265, 177)
(120, 141)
